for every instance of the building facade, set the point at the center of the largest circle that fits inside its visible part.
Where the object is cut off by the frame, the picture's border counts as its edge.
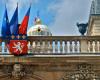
(56, 57)
(94, 20)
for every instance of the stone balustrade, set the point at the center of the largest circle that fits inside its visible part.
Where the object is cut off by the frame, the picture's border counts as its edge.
(58, 45)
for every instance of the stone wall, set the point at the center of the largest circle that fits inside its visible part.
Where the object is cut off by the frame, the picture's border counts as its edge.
(50, 68)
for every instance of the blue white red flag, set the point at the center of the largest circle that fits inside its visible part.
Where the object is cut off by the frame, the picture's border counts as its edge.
(24, 24)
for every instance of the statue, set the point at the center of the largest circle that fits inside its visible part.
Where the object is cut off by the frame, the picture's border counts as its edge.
(82, 27)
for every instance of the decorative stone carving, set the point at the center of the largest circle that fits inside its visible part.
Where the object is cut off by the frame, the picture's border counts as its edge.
(83, 72)
(17, 72)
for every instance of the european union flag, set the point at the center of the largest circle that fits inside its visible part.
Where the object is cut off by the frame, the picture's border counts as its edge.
(5, 31)
(14, 23)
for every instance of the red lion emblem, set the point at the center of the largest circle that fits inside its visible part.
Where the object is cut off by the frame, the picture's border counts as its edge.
(18, 47)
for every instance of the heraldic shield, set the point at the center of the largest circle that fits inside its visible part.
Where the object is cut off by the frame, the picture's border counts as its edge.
(18, 47)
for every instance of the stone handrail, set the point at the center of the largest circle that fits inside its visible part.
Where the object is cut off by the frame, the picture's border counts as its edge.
(58, 45)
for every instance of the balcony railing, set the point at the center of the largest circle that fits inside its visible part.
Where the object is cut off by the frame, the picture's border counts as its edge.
(59, 45)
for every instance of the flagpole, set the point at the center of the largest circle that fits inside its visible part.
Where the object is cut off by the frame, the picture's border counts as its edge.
(17, 13)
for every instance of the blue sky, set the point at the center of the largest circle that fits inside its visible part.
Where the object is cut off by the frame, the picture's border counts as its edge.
(60, 16)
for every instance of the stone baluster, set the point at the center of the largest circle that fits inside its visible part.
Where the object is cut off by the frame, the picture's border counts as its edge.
(61, 47)
(93, 47)
(0, 47)
(46, 47)
(98, 46)
(89, 45)
(30, 47)
(56, 46)
(39, 47)
(75, 46)
(36, 49)
(5, 47)
(65, 47)
(51, 47)
(33, 47)
(79, 47)
(2, 44)
(70, 46)
(43, 47)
